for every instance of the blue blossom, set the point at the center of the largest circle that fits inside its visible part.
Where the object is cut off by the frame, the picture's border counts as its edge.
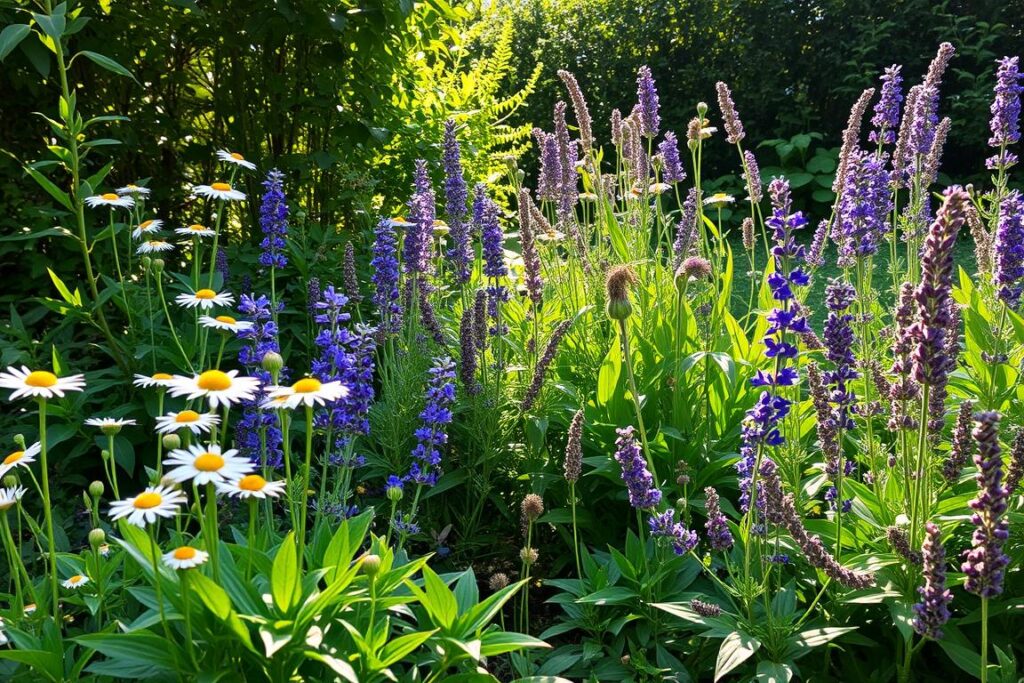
(639, 481)
(432, 435)
(274, 221)
(385, 277)
(663, 525)
(256, 425)
(422, 213)
(485, 216)
(456, 195)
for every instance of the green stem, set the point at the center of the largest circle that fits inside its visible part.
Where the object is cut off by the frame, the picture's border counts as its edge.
(627, 358)
(305, 483)
(984, 640)
(186, 600)
(51, 548)
(212, 532)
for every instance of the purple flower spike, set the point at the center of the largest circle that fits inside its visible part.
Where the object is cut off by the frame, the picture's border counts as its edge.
(985, 563)
(639, 482)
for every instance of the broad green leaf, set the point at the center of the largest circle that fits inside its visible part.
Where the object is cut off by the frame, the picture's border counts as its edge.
(51, 189)
(438, 599)
(11, 36)
(609, 596)
(500, 642)
(774, 672)
(399, 647)
(608, 376)
(42, 663)
(284, 577)
(736, 648)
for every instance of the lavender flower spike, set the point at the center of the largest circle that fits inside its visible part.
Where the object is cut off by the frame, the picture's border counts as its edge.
(752, 174)
(663, 525)
(639, 481)
(436, 415)
(579, 106)
(455, 197)
(542, 365)
(672, 171)
(730, 118)
(274, 221)
(851, 139)
(419, 237)
(1006, 105)
(985, 563)
(647, 95)
(887, 110)
(1009, 250)
(385, 277)
(933, 610)
(719, 536)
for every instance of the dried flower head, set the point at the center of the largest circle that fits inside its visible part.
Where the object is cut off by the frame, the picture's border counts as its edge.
(532, 507)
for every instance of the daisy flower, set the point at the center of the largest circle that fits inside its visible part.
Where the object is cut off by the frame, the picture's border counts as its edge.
(143, 509)
(185, 557)
(30, 609)
(400, 222)
(659, 188)
(235, 158)
(222, 388)
(226, 323)
(110, 423)
(76, 581)
(251, 486)
(153, 246)
(186, 419)
(147, 228)
(205, 299)
(204, 465)
(195, 230)
(134, 189)
(38, 383)
(9, 497)
(218, 191)
(109, 199)
(587, 197)
(20, 459)
(309, 391)
(159, 379)
(719, 198)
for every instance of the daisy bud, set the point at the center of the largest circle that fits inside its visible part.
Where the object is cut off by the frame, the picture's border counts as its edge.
(510, 161)
(158, 265)
(111, 428)
(97, 538)
(702, 108)
(10, 481)
(272, 362)
(681, 503)
(96, 489)
(19, 441)
(371, 564)
(172, 441)
(146, 261)
(87, 501)
(520, 175)
(105, 454)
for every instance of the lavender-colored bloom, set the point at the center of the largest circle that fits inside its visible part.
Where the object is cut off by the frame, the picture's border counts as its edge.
(259, 340)
(719, 536)
(963, 444)
(1015, 470)
(313, 294)
(705, 609)
(428, 318)
(1009, 250)
(639, 481)
(274, 221)
(926, 118)
(1006, 105)
(385, 277)
(685, 230)
(838, 339)
(863, 208)
(435, 417)
(730, 118)
(647, 96)
(468, 353)
(542, 365)
(933, 610)
(485, 216)
(899, 542)
(985, 563)
(851, 139)
(579, 106)
(672, 170)
(221, 265)
(348, 273)
(887, 110)
(531, 258)
(816, 252)
(663, 525)
(616, 127)
(752, 174)
(456, 194)
(901, 166)
(422, 213)
(573, 466)
(550, 167)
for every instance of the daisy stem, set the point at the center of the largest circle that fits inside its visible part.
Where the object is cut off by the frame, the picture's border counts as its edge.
(252, 534)
(48, 512)
(196, 258)
(220, 353)
(170, 322)
(216, 240)
(149, 310)
(185, 598)
(211, 529)
(286, 445)
(305, 483)
(159, 439)
(12, 558)
(155, 550)
(113, 465)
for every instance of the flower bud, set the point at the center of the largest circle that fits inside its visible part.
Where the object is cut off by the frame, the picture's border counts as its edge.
(19, 441)
(146, 261)
(105, 454)
(158, 265)
(620, 279)
(371, 564)
(97, 538)
(702, 108)
(272, 362)
(394, 493)
(10, 480)
(529, 556)
(681, 503)
(520, 175)
(171, 441)
(96, 489)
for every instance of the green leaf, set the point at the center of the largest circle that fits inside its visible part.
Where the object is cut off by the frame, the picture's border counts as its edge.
(74, 300)
(402, 646)
(10, 37)
(41, 662)
(466, 592)
(737, 647)
(107, 63)
(50, 188)
(438, 599)
(500, 642)
(819, 636)
(774, 672)
(480, 615)
(137, 647)
(52, 25)
(284, 577)
(608, 376)
(609, 596)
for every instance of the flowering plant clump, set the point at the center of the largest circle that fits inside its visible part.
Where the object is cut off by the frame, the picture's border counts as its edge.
(307, 447)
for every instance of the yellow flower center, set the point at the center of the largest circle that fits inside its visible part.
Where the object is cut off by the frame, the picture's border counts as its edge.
(110, 196)
(195, 227)
(162, 375)
(184, 553)
(186, 416)
(214, 380)
(208, 462)
(145, 224)
(13, 457)
(76, 578)
(237, 157)
(225, 319)
(220, 187)
(252, 482)
(41, 378)
(205, 294)
(147, 500)
(306, 386)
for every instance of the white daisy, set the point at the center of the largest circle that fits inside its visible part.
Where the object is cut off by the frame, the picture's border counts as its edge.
(109, 199)
(187, 419)
(143, 509)
(159, 379)
(205, 299)
(308, 391)
(9, 497)
(553, 236)
(134, 189)
(587, 197)
(206, 464)
(149, 227)
(108, 422)
(225, 322)
(153, 246)
(38, 383)
(20, 459)
(400, 222)
(76, 581)
(707, 131)
(221, 388)
(218, 191)
(659, 188)
(719, 198)
(235, 158)
(251, 486)
(195, 230)
(185, 557)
